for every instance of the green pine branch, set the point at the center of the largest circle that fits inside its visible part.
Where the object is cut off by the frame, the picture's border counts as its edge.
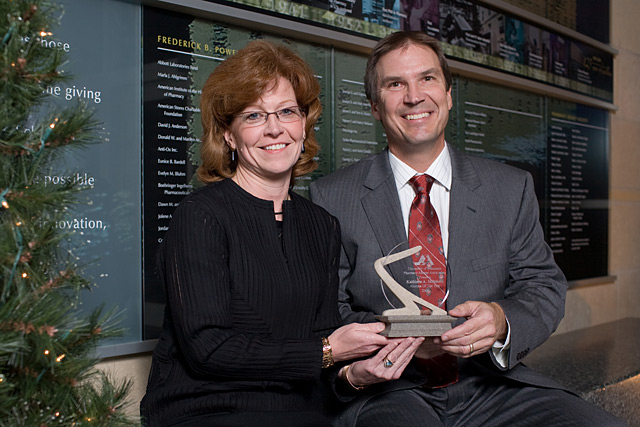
(47, 350)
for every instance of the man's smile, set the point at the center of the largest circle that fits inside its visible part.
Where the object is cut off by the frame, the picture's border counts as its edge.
(417, 116)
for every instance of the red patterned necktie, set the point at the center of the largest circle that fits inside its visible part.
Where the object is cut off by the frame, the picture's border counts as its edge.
(431, 271)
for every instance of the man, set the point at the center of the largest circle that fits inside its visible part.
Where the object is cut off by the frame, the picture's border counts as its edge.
(501, 279)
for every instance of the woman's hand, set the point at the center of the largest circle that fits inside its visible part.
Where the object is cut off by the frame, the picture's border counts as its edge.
(388, 364)
(357, 340)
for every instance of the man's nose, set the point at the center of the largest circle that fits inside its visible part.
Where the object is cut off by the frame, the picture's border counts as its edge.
(414, 94)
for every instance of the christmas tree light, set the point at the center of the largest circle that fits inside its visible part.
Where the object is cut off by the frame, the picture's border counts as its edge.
(47, 349)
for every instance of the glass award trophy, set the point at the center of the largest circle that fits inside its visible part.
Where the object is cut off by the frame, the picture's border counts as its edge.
(418, 317)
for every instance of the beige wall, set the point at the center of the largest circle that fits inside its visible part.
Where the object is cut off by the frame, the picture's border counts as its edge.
(590, 305)
(135, 368)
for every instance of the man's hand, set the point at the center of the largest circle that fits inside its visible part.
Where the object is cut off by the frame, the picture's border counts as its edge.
(486, 323)
(428, 350)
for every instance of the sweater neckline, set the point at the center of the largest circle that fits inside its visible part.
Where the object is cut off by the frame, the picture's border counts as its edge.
(250, 198)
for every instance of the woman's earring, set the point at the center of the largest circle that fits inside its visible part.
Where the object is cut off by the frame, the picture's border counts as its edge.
(304, 137)
(233, 155)
(303, 146)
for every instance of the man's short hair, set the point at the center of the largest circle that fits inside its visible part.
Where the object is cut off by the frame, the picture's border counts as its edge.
(399, 40)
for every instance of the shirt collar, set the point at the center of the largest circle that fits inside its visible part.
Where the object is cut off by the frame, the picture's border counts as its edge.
(440, 170)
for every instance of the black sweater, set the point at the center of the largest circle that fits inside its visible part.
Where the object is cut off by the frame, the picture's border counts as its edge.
(245, 309)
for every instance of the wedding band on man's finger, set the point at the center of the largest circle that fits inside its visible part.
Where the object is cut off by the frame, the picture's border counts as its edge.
(387, 363)
(470, 349)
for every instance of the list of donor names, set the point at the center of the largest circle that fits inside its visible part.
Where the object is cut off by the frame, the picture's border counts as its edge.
(168, 112)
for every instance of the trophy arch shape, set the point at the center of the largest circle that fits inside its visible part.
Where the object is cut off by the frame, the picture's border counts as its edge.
(407, 298)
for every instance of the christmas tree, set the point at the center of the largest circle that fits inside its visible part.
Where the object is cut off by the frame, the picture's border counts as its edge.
(47, 348)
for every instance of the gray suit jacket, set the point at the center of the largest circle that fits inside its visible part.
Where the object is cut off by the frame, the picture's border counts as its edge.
(497, 251)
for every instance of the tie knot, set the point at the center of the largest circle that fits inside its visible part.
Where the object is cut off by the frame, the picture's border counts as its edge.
(422, 183)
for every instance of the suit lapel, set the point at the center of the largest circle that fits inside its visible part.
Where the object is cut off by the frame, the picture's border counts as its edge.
(382, 208)
(463, 207)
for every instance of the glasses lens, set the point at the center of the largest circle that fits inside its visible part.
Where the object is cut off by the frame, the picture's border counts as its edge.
(289, 114)
(254, 118)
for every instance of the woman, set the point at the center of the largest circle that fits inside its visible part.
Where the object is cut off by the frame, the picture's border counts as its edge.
(250, 268)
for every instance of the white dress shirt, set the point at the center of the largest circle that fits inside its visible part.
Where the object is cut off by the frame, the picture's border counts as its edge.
(440, 171)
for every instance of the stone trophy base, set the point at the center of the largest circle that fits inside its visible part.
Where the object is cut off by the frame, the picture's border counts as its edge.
(416, 325)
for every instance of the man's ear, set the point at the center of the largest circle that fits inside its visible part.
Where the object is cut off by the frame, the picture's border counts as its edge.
(374, 110)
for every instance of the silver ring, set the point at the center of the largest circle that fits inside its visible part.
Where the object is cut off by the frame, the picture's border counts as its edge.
(387, 363)
(470, 349)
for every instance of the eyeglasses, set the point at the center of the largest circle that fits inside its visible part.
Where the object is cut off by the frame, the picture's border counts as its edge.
(257, 118)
